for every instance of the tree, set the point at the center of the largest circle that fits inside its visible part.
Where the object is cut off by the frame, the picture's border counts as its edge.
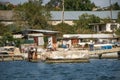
(82, 5)
(114, 6)
(64, 28)
(106, 20)
(117, 32)
(7, 6)
(71, 5)
(32, 15)
(118, 19)
(6, 39)
(85, 20)
(54, 5)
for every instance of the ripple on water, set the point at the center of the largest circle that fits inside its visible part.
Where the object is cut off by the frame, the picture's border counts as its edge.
(105, 69)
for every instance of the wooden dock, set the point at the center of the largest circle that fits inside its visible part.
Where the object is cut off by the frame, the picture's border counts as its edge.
(11, 57)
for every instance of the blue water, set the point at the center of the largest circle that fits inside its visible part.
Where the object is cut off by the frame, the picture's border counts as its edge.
(104, 69)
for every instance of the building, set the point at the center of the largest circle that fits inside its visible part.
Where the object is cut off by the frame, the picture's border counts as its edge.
(39, 37)
(6, 17)
(102, 27)
(70, 16)
(75, 39)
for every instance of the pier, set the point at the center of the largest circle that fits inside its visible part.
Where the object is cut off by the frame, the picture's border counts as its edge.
(73, 55)
(11, 57)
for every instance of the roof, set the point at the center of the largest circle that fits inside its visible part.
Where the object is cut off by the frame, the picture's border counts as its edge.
(42, 31)
(102, 36)
(68, 15)
(74, 15)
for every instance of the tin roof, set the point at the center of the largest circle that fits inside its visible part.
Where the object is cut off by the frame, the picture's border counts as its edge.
(74, 15)
(68, 15)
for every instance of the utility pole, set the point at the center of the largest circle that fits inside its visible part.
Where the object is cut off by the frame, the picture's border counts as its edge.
(62, 11)
(110, 10)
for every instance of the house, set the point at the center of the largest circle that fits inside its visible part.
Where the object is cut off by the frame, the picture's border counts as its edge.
(39, 37)
(104, 27)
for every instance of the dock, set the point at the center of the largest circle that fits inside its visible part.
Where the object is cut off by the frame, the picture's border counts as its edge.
(11, 57)
(62, 56)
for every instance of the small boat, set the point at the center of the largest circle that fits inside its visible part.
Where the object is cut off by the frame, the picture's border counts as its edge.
(67, 57)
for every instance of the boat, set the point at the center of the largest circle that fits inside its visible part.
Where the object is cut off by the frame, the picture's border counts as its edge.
(70, 56)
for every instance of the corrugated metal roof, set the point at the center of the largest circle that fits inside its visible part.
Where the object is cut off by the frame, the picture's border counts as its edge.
(88, 35)
(68, 15)
(74, 15)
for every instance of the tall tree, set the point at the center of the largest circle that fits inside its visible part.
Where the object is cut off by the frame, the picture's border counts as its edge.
(32, 15)
(71, 5)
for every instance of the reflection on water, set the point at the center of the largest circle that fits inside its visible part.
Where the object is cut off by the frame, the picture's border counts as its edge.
(105, 69)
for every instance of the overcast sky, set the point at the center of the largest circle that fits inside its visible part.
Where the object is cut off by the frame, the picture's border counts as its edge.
(101, 3)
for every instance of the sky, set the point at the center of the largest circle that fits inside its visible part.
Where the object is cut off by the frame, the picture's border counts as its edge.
(101, 3)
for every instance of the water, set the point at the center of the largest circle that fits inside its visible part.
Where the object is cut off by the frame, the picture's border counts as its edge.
(105, 69)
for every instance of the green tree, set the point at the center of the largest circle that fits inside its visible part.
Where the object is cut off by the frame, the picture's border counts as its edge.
(3, 28)
(118, 19)
(85, 20)
(106, 20)
(54, 5)
(82, 5)
(64, 28)
(32, 15)
(114, 6)
(6, 39)
(117, 32)
(71, 5)
(7, 6)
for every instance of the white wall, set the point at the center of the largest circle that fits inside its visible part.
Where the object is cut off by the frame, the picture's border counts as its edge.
(57, 22)
(108, 26)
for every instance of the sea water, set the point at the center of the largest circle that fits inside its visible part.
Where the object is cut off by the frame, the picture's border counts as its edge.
(97, 69)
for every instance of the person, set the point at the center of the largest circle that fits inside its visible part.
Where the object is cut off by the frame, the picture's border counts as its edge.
(30, 53)
(49, 47)
(91, 45)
